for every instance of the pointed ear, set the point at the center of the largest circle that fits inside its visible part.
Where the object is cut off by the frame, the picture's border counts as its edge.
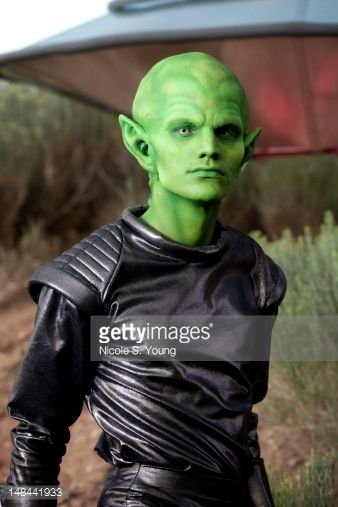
(250, 139)
(136, 141)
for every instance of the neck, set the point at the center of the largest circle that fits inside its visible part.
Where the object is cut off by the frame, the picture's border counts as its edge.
(179, 219)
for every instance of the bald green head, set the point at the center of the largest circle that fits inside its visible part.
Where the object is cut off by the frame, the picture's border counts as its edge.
(188, 131)
(199, 70)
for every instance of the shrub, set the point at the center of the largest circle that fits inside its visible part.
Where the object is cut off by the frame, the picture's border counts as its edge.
(313, 487)
(304, 394)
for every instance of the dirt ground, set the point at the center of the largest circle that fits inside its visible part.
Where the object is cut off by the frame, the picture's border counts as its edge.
(83, 472)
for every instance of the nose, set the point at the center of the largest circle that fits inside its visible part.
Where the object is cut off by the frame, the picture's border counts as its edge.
(208, 147)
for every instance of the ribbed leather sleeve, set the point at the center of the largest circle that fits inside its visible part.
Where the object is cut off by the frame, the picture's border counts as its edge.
(83, 273)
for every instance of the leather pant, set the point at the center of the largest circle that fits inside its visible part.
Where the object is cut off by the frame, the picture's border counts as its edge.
(147, 486)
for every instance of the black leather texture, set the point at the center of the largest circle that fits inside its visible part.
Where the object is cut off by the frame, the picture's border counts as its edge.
(259, 487)
(193, 416)
(143, 486)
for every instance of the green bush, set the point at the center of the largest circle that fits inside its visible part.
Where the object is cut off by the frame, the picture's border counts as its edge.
(61, 163)
(313, 486)
(304, 394)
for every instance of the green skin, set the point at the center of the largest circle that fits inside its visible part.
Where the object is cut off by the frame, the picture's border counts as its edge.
(189, 133)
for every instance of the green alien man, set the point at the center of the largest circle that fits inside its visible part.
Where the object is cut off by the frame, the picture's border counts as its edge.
(180, 433)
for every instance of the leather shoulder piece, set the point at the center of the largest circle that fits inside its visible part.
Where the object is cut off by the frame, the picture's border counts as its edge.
(269, 279)
(84, 272)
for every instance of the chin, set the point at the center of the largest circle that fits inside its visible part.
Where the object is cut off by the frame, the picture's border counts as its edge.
(210, 194)
(203, 193)
(206, 196)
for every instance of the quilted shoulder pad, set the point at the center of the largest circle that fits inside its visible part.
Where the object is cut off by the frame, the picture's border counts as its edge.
(85, 271)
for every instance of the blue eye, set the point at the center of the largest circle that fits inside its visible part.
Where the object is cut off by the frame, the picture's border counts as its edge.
(184, 131)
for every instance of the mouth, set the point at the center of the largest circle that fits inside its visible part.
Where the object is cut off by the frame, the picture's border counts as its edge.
(208, 171)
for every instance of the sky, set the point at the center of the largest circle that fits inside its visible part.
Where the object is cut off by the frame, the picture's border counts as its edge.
(24, 22)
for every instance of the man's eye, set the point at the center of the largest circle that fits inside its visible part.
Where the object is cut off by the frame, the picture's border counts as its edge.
(228, 131)
(184, 131)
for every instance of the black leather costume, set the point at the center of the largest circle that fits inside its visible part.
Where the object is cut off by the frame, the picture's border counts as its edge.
(194, 416)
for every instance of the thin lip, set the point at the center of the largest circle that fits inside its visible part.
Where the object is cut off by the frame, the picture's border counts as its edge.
(206, 169)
